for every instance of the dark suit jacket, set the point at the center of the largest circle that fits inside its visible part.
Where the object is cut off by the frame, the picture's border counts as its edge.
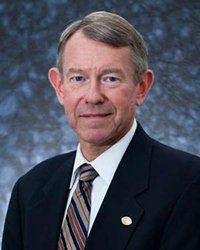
(158, 187)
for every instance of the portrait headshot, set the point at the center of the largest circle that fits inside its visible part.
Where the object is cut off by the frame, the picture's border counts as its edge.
(113, 160)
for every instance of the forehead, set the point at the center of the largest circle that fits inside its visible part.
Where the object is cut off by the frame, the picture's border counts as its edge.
(81, 51)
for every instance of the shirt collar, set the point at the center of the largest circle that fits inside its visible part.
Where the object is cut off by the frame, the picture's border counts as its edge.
(104, 167)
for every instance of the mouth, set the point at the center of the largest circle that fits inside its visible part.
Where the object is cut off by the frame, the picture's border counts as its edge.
(98, 115)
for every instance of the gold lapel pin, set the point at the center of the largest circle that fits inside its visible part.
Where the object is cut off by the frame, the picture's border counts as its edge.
(126, 221)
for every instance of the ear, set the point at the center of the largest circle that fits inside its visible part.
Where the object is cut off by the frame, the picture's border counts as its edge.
(56, 81)
(143, 87)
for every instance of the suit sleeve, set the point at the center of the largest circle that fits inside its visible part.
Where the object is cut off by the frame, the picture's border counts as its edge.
(12, 234)
(182, 230)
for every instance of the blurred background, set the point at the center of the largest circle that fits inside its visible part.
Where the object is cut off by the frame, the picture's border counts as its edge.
(33, 125)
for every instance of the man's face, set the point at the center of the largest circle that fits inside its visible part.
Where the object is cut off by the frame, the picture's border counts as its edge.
(97, 90)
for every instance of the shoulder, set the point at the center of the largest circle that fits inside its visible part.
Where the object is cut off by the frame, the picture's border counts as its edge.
(43, 171)
(51, 164)
(169, 165)
(164, 152)
(168, 155)
(175, 169)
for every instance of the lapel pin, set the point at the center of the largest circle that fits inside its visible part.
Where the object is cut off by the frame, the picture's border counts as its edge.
(126, 221)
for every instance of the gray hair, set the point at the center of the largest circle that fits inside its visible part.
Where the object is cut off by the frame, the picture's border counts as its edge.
(110, 29)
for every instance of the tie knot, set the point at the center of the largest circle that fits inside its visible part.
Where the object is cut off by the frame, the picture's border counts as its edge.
(87, 173)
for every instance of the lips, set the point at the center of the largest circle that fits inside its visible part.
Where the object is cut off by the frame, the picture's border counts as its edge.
(98, 115)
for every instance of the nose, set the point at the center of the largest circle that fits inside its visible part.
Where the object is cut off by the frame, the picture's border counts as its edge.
(95, 94)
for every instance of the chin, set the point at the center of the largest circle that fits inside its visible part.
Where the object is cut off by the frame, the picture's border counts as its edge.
(95, 138)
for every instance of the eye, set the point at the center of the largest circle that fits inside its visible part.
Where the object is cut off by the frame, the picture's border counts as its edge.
(110, 79)
(77, 79)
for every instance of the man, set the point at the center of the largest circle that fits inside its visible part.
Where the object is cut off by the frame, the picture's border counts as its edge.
(145, 195)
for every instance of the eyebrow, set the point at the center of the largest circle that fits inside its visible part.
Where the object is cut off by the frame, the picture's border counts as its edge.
(112, 70)
(74, 70)
(103, 72)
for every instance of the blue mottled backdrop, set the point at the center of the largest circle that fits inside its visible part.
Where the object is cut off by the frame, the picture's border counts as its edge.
(32, 124)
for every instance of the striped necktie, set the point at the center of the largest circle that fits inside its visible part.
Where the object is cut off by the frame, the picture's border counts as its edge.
(74, 232)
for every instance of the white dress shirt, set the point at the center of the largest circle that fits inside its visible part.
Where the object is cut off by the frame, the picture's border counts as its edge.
(105, 165)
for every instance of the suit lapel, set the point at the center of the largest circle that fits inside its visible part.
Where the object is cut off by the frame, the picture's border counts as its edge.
(131, 178)
(48, 208)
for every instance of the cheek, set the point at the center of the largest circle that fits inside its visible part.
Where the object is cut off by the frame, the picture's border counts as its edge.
(69, 108)
(124, 101)
(125, 109)
(69, 100)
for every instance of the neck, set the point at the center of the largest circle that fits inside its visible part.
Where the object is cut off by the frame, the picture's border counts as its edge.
(91, 152)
